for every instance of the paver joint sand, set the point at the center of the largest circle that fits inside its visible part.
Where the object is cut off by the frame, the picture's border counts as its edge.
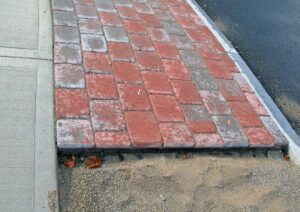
(149, 74)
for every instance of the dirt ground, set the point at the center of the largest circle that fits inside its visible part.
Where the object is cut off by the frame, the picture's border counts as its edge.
(183, 182)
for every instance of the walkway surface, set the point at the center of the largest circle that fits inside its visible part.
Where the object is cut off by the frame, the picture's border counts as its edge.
(149, 74)
(27, 153)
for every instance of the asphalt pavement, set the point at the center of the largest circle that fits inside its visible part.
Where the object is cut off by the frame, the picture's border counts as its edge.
(267, 35)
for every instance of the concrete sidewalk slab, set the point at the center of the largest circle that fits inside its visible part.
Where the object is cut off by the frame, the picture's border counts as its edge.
(28, 153)
(163, 82)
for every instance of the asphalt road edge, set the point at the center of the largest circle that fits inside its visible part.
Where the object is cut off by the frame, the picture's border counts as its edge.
(276, 114)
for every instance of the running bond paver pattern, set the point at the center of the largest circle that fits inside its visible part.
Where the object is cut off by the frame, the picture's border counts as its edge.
(149, 74)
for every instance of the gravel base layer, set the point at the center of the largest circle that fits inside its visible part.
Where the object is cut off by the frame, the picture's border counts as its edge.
(182, 182)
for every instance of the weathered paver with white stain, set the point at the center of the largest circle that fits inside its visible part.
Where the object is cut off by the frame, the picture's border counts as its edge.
(149, 74)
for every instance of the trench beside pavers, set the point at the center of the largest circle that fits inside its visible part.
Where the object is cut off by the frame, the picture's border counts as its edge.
(149, 74)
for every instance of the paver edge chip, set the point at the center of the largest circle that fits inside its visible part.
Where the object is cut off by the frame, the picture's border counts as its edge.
(274, 111)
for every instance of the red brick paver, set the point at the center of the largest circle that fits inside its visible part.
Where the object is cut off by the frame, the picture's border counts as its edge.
(150, 74)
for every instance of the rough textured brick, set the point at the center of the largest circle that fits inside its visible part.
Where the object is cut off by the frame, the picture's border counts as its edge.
(134, 27)
(215, 103)
(110, 19)
(218, 69)
(178, 10)
(166, 50)
(175, 69)
(143, 8)
(84, 2)
(259, 137)
(126, 72)
(134, 97)
(111, 140)
(105, 6)
(67, 18)
(73, 134)
(71, 103)
(256, 104)
(211, 140)
(192, 59)
(95, 43)
(90, 26)
(172, 2)
(186, 92)
(230, 90)
(230, 131)
(120, 51)
(195, 35)
(278, 136)
(66, 34)
(182, 42)
(166, 108)
(156, 83)
(150, 20)
(208, 51)
(69, 76)
(88, 12)
(107, 115)
(125, 3)
(245, 114)
(241, 81)
(66, 5)
(128, 13)
(158, 34)
(115, 34)
(148, 60)
(203, 80)
(176, 135)
(67, 53)
(173, 28)
(96, 62)
(101, 86)
(143, 129)
(198, 119)
(141, 42)
(186, 22)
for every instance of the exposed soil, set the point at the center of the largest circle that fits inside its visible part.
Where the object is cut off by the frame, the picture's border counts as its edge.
(193, 182)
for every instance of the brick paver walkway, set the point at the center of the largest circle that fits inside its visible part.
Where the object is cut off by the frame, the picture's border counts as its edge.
(149, 73)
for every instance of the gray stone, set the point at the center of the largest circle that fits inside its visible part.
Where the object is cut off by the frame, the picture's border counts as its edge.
(66, 5)
(215, 102)
(278, 136)
(203, 80)
(157, 5)
(173, 28)
(231, 132)
(164, 15)
(67, 53)
(195, 113)
(66, 34)
(67, 18)
(192, 59)
(115, 34)
(95, 43)
(105, 6)
(125, 3)
(69, 76)
(88, 12)
(74, 134)
(145, 9)
(90, 26)
(182, 42)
